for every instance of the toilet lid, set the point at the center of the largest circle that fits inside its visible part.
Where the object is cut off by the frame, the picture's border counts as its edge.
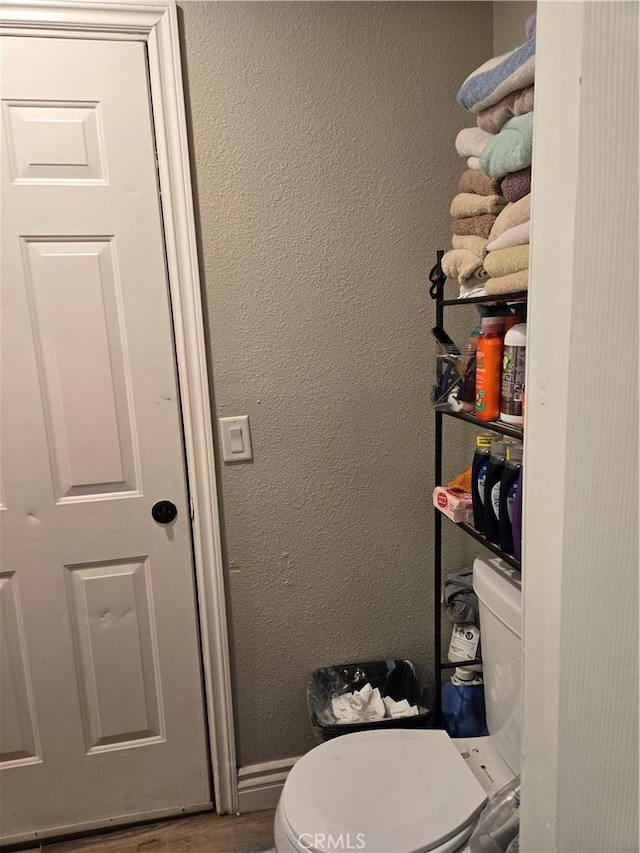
(403, 790)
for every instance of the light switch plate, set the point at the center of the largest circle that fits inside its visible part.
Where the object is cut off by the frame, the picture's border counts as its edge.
(236, 439)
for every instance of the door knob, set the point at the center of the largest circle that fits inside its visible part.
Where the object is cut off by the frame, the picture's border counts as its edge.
(164, 512)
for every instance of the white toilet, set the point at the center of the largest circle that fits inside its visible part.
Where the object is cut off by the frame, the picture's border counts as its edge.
(412, 790)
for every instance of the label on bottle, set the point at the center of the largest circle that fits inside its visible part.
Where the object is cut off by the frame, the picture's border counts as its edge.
(495, 499)
(464, 642)
(513, 373)
(488, 366)
(482, 479)
(511, 497)
(484, 441)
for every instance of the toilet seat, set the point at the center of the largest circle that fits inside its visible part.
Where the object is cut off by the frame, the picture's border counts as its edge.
(401, 790)
(349, 842)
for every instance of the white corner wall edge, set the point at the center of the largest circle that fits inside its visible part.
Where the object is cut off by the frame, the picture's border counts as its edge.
(260, 785)
(555, 164)
(579, 770)
(155, 22)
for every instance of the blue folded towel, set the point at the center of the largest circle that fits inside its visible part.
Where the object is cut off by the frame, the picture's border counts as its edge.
(511, 150)
(499, 77)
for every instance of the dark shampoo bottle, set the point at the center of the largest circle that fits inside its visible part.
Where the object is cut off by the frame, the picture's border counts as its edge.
(492, 492)
(508, 489)
(479, 470)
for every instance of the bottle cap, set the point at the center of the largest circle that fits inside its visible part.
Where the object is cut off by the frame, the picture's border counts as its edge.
(514, 453)
(511, 321)
(492, 324)
(498, 448)
(516, 336)
(464, 675)
(485, 439)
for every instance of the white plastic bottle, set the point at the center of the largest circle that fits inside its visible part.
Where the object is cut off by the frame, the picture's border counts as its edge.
(513, 369)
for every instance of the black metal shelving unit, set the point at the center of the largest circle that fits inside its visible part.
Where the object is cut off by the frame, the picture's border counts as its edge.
(438, 280)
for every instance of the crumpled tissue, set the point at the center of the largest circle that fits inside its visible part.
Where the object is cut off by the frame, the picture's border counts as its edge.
(368, 706)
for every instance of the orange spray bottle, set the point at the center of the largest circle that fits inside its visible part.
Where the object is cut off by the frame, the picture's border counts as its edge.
(488, 369)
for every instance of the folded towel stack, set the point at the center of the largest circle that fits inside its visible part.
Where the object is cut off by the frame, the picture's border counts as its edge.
(499, 150)
(474, 211)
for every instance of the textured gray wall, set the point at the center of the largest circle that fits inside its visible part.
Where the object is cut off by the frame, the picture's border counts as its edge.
(509, 17)
(322, 139)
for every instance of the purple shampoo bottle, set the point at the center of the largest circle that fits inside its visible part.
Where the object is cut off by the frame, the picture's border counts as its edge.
(517, 520)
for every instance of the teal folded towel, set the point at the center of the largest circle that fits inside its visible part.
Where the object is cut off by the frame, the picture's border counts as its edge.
(511, 149)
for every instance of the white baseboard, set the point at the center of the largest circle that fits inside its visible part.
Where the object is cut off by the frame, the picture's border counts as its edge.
(260, 785)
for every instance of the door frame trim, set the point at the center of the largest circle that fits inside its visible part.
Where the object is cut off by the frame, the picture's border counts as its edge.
(155, 22)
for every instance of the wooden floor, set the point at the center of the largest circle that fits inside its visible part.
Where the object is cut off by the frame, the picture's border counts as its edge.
(208, 833)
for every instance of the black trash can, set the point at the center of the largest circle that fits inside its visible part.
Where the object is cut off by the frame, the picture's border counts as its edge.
(399, 679)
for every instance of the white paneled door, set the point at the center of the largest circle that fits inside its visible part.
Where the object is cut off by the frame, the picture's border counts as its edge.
(101, 698)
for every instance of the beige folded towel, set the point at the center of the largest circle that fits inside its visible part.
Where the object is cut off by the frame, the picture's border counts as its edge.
(473, 181)
(480, 226)
(462, 265)
(471, 289)
(507, 283)
(471, 141)
(470, 204)
(477, 245)
(506, 261)
(516, 236)
(516, 104)
(515, 213)
(473, 163)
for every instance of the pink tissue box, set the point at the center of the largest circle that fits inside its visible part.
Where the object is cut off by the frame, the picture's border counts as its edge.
(454, 503)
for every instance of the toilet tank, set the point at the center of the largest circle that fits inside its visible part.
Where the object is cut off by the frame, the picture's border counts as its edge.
(500, 598)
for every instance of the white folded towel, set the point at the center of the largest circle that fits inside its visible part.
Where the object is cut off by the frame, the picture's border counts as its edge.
(473, 163)
(471, 290)
(471, 141)
(516, 236)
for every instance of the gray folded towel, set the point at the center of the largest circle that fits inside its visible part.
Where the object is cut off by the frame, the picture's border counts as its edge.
(460, 598)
